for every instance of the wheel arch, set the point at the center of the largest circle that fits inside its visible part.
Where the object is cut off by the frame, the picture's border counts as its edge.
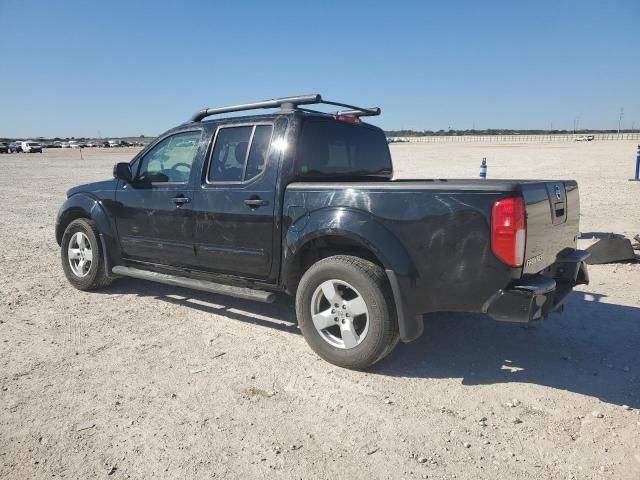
(66, 217)
(343, 231)
(360, 235)
(83, 205)
(321, 246)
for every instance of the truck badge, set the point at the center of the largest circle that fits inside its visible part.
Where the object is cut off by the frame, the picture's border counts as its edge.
(534, 260)
(557, 190)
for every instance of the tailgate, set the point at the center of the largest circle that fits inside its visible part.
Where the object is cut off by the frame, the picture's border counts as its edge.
(553, 210)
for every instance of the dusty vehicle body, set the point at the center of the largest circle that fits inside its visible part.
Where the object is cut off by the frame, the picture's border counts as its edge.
(303, 203)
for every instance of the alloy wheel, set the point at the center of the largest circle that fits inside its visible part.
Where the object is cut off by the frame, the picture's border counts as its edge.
(339, 314)
(80, 254)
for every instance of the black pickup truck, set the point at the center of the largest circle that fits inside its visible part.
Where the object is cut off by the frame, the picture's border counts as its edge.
(303, 202)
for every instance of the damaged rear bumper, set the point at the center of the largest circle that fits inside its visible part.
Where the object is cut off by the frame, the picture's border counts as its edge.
(533, 297)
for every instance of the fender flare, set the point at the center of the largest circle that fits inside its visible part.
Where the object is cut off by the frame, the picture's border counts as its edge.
(85, 205)
(361, 228)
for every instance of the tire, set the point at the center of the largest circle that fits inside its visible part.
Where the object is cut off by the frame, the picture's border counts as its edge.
(92, 275)
(376, 331)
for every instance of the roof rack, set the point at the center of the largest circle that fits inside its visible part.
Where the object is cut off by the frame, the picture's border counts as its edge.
(288, 104)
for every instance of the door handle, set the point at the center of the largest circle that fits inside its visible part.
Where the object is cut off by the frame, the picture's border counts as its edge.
(181, 200)
(255, 202)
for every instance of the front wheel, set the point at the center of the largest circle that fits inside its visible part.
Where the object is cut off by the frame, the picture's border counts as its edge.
(346, 312)
(82, 256)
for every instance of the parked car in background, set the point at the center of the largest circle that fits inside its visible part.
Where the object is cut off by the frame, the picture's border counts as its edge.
(15, 147)
(31, 147)
(119, 143)
(106, 145)
(65, 145)
(4, 147)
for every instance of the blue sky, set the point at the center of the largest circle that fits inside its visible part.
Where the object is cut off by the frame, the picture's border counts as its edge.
(110, 68)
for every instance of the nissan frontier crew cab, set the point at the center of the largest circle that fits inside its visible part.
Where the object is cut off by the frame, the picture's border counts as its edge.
(304, 203)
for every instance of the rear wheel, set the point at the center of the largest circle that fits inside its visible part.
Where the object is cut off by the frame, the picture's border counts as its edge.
(82, 255)
(346, 312)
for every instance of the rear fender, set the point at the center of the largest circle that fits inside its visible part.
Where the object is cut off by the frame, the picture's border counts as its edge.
(359, 227)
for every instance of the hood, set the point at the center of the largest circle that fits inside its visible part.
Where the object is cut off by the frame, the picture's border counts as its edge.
(94, 188)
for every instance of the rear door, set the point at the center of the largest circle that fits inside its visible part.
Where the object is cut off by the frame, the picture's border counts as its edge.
(154, 213)
(235, 231)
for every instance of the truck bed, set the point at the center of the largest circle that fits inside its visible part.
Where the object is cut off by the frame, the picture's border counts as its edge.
(442, 229)
(552, 221)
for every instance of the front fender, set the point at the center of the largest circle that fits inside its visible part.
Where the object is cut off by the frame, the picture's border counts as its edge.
(86, 205)
(360, 227)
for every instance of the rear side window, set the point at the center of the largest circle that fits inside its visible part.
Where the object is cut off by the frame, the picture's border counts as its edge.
(239, 153)
(330, 148)
(258, 151)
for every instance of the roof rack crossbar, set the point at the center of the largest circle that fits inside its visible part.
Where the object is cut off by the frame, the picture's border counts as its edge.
(287, 104)
(365, 112)
(353, 110)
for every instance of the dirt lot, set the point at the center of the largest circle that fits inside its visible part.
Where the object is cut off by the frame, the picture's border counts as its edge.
(142, 380)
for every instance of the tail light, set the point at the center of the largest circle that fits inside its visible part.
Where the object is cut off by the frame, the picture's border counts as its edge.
(508, 230)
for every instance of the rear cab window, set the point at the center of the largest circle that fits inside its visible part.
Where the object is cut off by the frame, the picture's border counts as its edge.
(336, 149)
(239, 153)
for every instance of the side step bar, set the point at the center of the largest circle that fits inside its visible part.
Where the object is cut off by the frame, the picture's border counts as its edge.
(203, 285)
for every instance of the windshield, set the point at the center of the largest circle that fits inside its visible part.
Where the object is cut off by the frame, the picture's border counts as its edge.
(330, 148)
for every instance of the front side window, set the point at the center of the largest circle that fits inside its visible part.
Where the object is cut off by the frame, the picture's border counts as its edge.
(239, 153)
(170, 160)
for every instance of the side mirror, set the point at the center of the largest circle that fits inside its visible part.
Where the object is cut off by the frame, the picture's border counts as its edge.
(122, 171)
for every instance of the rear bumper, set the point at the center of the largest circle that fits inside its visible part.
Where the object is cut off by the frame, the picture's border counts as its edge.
(533, 297)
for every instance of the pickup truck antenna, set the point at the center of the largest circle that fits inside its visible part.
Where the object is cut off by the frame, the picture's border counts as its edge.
(287, 104)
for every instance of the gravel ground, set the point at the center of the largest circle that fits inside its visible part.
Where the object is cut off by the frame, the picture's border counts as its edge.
(143, 380)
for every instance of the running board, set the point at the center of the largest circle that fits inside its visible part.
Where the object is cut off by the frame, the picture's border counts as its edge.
(203, 285)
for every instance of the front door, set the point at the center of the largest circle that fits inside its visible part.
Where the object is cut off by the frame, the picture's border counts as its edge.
(154, 213)
(235, 202)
